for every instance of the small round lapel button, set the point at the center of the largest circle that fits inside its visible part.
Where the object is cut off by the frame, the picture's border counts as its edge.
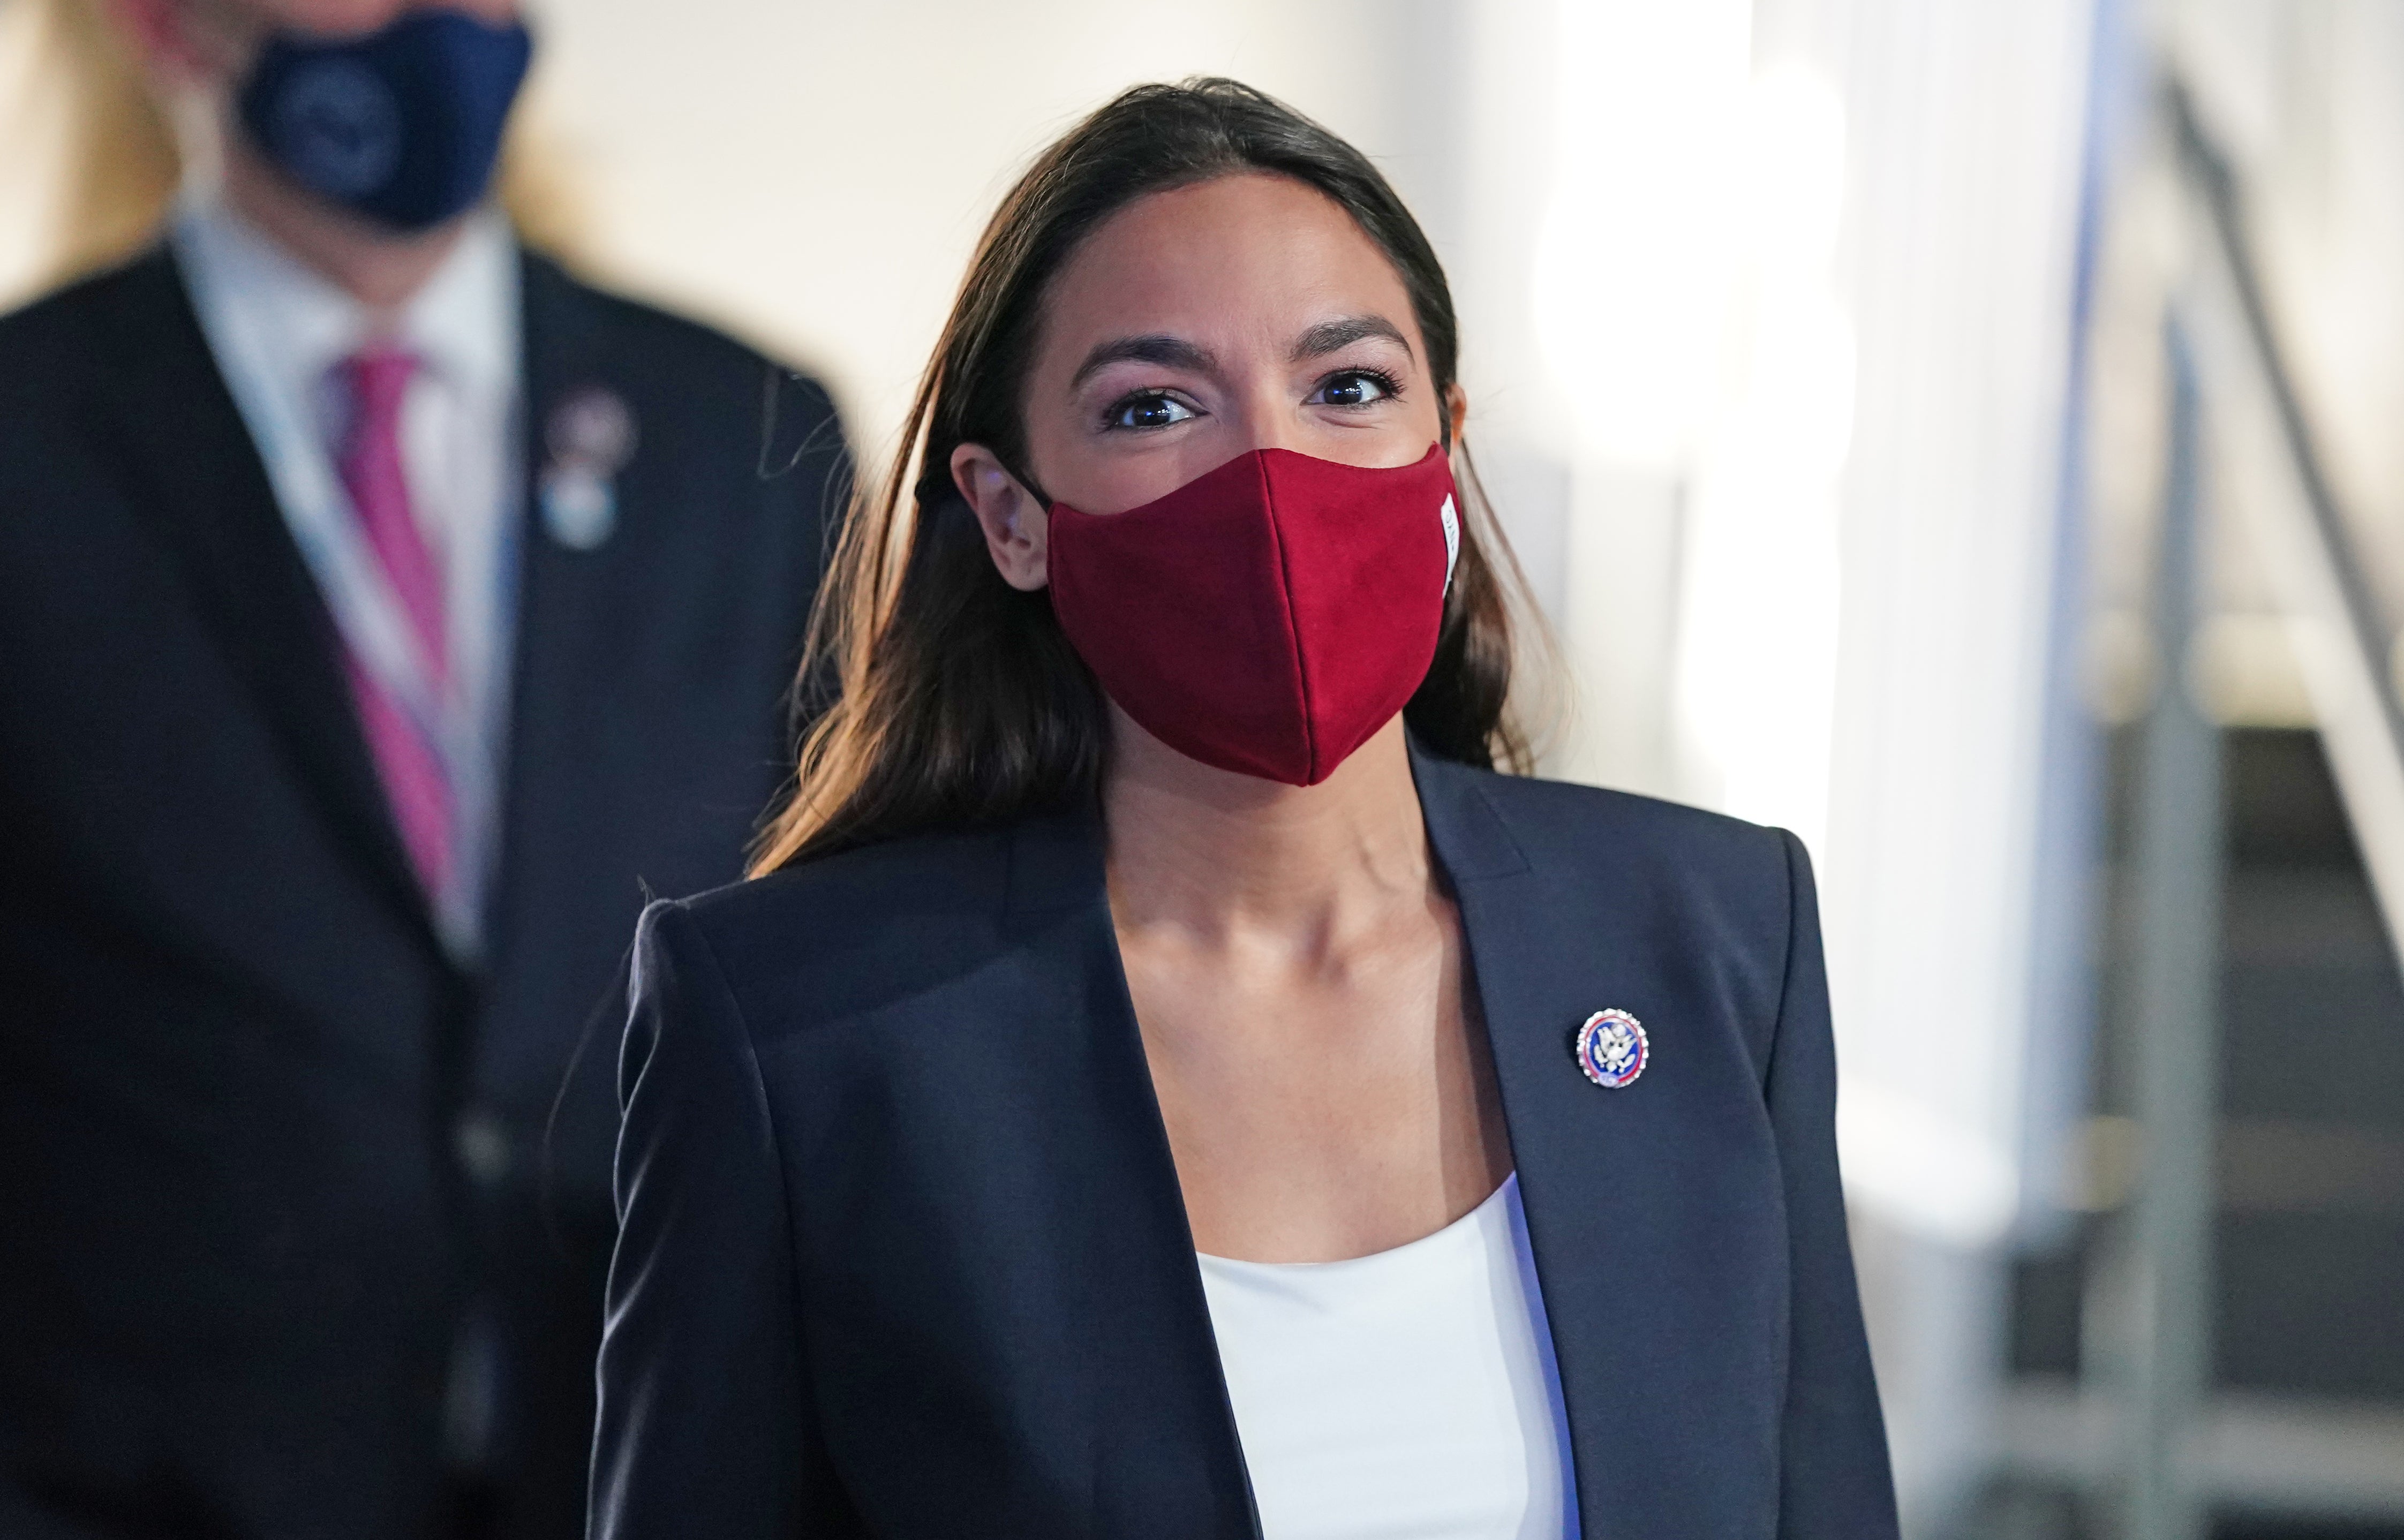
(1612, 1049)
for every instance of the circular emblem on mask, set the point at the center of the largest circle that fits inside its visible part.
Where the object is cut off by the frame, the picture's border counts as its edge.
(1611, 1048)
(337, 128)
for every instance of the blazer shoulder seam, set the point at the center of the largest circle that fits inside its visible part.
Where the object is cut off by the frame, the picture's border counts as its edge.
(1787, 847)
(687, 920)
(751, 1048)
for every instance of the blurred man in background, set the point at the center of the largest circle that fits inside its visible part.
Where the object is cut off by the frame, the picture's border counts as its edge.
(380, 611)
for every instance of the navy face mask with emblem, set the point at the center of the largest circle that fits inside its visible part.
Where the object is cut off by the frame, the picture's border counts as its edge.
(401, 124)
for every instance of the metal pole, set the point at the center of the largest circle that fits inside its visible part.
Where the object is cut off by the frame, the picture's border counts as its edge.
(2303, 539)
(2177, 1042)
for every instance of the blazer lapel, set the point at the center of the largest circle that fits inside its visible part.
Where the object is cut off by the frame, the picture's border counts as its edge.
(1168, 1461)
(554, 612)
(1647, 1206)
(206, 494)
(1654, 1211)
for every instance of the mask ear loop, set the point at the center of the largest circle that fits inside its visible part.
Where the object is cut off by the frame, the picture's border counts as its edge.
(1449, 513)
(1451, 517)
(1028, 485)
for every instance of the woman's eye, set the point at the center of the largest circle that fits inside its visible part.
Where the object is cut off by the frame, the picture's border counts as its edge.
(1353, 388)
(1148, 410)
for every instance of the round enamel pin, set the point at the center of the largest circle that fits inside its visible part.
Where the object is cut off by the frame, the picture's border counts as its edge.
(1611, 1048)
(591, 436)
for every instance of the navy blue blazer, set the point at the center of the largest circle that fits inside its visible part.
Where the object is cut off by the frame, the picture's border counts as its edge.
(262, 1142)
(903, 1253)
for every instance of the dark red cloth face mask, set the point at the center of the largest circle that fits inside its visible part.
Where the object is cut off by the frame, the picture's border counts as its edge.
(1268, 616)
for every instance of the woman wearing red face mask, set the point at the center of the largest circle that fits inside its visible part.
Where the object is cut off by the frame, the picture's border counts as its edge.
(1163, 1081)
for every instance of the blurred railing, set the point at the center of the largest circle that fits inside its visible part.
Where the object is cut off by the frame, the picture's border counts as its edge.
(2145, 1426)
(2304, 538)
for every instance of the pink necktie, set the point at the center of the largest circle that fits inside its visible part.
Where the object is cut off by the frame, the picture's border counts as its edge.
(409, 762)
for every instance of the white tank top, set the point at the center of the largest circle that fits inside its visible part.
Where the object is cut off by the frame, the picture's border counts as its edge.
(1408, 1395)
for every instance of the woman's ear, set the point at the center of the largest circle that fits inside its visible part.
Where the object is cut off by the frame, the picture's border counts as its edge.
(1016, 525)
(1456, 409)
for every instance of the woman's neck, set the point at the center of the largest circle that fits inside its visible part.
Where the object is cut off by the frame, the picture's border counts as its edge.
(1217, 855)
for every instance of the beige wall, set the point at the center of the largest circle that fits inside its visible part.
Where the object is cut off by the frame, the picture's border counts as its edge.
(815, 174)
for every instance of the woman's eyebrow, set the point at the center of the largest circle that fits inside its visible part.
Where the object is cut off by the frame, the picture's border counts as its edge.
(1329, 336)
(1152, 348)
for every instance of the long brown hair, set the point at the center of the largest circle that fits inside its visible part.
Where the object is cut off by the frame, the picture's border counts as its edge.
(950, 698)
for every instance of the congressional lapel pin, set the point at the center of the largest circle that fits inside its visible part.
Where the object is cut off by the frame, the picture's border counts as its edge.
(590, 437)
(1612, 1049)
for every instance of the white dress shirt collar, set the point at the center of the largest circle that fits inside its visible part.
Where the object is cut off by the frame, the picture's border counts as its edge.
(463, 324)
(277, 328)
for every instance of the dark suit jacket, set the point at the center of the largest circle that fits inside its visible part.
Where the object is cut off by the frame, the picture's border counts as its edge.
(260, 1142)
(902, 1253)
